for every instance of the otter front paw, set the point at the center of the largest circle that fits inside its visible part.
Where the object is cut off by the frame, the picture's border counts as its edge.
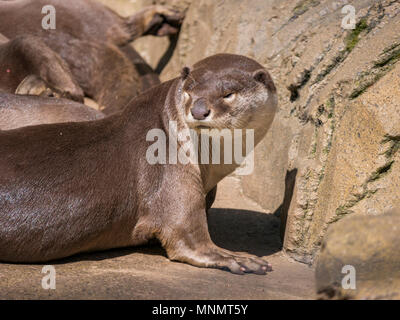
(162, 21)
(240, 263)
(235, 262)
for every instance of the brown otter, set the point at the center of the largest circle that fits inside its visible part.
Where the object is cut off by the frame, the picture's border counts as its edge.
(94, 42)
(74, 187)
(29, 58)
(19, 111)
(86, 20)
(103, 72)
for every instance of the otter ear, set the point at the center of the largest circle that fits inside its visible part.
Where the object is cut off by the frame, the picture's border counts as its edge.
(185, 73)
(264, 77)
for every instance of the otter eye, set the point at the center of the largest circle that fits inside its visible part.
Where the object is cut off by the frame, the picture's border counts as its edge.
(186, 97)
(230, 97)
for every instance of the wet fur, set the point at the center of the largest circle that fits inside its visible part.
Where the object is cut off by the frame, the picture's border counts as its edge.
(74, 187)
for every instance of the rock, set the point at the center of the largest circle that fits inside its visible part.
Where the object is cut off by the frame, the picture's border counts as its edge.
(370, 245)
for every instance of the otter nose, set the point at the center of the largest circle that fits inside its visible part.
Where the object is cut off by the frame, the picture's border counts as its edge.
(200, 110)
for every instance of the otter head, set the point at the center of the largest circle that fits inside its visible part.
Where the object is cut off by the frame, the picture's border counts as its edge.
(227, 91)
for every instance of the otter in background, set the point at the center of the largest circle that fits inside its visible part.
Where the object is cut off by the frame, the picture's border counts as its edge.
(19, 111)
(29, 66)
(94, 42)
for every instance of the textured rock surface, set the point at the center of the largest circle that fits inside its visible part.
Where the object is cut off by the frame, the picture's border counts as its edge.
(336, 137)
(375, 257)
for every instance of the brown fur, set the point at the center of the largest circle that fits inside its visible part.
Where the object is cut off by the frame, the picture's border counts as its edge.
(104, 73)
(89, 37)
(19, 111)
(29, 55)
(86, 20)
(74, 187)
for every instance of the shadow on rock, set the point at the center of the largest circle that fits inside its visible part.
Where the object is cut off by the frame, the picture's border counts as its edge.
(242, 230)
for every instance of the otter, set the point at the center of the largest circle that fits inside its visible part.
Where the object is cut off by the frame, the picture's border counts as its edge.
(94, 42)
(86, 20)
(20, 110)
(76, 187)
(103, 73)
(29, 66)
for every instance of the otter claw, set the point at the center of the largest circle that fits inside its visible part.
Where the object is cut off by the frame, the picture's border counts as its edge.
(241, 264)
